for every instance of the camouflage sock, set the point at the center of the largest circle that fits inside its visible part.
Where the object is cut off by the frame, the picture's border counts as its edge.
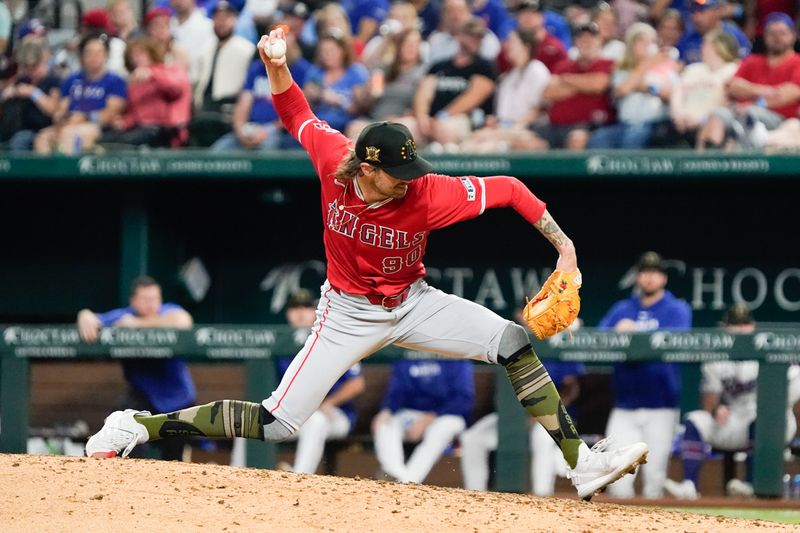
(224, 418)
(539, 396)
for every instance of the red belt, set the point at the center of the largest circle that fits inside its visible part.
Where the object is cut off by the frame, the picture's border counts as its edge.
(387, 302)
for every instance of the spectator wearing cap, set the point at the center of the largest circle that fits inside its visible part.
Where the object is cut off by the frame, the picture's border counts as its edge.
(157, 27)
(295, 15)
(28, 103)
(766, 89)
(159, 100)
(97, 22)
(579, 93)
(706, 16)
(91, 100)
(455, 96)
(531, 17)
(755, 18)
(725, 421)
(123, 19)
(646, 394)
(193, 31)
(445, 42)
(642, 86)
(224, 61)
(603, 15)
(332, 81)
(255, 122)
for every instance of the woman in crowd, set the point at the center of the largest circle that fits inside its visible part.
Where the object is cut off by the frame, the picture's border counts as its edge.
(518, 103)
(92, 99)
(332, 81)
(670, 28)
(389, 95)
(332, 19)
(381, 50)
(156, 24)
(159, 99)
(702, 85)
(642, 86)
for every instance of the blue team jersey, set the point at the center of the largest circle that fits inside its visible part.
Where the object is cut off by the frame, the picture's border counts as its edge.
(691, 43)
(90, 95)
(559, 370)
(359, 9)
(648, 385)
(497, 18)
(338, 116)
(166, 383)
(354, 372)
(444, 387)
(263, 112)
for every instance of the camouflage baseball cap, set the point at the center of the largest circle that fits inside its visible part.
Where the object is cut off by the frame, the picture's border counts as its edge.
(651, 261)
(736, 315)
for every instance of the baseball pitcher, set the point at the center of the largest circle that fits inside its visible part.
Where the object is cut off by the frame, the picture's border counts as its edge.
(380, 201)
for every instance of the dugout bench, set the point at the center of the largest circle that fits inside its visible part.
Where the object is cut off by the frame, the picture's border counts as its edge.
(256, 345)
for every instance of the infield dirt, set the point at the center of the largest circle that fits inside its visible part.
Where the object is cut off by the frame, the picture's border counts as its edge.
(52, 493)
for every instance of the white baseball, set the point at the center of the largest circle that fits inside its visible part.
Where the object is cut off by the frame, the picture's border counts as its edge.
(276, 50)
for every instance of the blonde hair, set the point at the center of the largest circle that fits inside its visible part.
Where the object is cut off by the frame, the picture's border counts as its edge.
(724, 44)
(348, 168)
(635, 32)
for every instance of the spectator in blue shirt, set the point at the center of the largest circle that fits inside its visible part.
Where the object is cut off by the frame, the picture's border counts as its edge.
(646, 394)
(91, 99)
(365, 17)
(330, 83)
(156, 385)
(706, 16)
(496, 15)
(255, 123)
(428, 402)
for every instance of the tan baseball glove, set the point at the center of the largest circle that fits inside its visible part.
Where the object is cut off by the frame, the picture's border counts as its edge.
(555, 306)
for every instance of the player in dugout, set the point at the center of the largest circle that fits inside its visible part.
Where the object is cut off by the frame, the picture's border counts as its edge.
(380, 202)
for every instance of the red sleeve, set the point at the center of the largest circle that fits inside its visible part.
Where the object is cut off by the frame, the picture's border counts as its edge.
(745, 70)
(171, 82)
(452, 200)
(507, 191)
(322, 142)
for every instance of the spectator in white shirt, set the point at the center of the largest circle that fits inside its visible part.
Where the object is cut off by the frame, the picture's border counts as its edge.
(193, 31)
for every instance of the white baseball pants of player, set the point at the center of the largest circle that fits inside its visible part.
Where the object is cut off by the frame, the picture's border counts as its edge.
(656, 427)
(481, 439)
(349, 328)
(389, 438)
(734, 434)
(311, 437)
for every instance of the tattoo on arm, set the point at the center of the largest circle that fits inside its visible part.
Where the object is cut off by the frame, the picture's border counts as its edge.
(548, 227)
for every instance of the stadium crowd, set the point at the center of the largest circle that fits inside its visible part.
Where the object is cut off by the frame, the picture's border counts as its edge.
(476, 76)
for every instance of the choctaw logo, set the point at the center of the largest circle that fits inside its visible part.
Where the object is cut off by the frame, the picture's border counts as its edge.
(373, 154)
(409, 150)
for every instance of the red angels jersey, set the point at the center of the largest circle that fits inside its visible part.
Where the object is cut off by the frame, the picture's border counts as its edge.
(378, 248)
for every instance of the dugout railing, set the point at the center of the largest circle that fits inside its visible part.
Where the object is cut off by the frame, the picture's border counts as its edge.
(256, 347)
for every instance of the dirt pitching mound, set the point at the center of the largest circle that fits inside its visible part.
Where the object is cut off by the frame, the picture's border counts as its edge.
(51, 493)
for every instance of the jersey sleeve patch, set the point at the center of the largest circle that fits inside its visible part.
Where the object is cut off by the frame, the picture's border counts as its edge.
(470, 188)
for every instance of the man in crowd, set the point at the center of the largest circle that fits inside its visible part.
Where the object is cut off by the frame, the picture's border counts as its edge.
(579, 93)
(193, 31)
(766, 89)
(707, 16)
(455, 94)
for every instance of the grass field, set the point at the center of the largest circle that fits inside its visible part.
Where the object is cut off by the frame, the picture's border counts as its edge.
(783, 516)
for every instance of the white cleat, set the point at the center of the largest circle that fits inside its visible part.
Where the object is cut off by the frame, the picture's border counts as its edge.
(684, 490)
(118, 436)
(598, 468)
